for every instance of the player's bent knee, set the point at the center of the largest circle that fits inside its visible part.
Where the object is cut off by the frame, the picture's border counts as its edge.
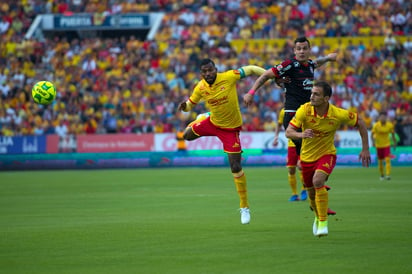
(189, 135)
(318, 183)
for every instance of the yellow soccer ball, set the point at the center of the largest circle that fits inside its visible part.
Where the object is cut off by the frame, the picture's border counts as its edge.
(43, 92)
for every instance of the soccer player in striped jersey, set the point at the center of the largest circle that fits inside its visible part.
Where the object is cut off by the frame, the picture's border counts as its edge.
(297, 76)
(381, 131)
(219, 91)
(319, 120)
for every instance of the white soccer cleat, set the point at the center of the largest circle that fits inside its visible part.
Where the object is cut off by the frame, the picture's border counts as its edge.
(322, 229)
(244, 215)
(315, 226)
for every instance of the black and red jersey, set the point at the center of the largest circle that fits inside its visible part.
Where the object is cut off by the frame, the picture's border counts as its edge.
(301, 75)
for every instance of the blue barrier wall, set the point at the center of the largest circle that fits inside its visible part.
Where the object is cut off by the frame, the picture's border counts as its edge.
(213, 158)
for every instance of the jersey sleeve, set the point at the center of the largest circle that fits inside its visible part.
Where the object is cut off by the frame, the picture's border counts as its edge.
(282, 68)
(235, 74)
(196, 95)
(350, 118)
(298, 119)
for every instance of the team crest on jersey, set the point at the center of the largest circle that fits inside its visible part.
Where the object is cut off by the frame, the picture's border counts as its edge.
(351, 115)
(296, 64)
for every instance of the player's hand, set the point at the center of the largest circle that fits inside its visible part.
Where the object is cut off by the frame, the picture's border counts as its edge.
(248, 99)
(282, 80)
(365, 157)
(332, 56)
(275, 141)
(308, 133)
(182, 107)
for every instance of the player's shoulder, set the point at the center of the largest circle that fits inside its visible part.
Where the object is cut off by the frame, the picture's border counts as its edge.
(305, 109)
(341, 112)
(335, 110)
(287, 62)
(229, 74)
(201, 85)
(306, 106)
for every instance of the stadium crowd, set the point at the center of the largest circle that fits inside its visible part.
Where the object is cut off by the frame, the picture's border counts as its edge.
(124, 85)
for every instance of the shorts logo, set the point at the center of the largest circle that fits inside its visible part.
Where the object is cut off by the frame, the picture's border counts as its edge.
(326, 165)
(236, 145)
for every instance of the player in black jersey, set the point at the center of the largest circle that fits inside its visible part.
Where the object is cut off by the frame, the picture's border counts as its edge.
(297, 76)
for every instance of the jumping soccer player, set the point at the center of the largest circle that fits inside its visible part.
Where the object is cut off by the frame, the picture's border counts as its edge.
(219, 91)
(297, 74)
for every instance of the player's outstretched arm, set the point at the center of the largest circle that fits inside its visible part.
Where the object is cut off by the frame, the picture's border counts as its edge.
(248, 98)
(251, 70)
(331, 57)
(365, 155)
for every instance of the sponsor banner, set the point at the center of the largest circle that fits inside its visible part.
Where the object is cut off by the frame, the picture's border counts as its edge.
(264, 158)
(251, 140)
(114, 143)
(99, 21)
(22, 144)
(56, 144)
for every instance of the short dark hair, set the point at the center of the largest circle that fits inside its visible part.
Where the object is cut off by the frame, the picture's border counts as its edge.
(302, 39)
(383, 113)
(327, 89)
(207, 61)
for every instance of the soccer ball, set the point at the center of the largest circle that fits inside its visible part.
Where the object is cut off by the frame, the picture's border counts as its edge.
(43, 92)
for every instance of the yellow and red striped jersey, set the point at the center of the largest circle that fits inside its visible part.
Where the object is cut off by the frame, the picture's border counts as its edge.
(221, 99)
(324, 129)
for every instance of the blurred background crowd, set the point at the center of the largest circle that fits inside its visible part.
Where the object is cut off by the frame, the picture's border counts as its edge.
(129, 85)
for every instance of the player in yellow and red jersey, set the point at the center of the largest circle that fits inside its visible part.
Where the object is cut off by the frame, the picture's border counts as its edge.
(381, 131)
(291, 164)
(319, 121)
(219, 91)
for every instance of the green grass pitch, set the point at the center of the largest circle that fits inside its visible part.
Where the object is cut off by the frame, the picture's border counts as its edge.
(186, 220)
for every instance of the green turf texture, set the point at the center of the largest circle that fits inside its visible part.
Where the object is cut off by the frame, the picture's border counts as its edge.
(187, 221)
